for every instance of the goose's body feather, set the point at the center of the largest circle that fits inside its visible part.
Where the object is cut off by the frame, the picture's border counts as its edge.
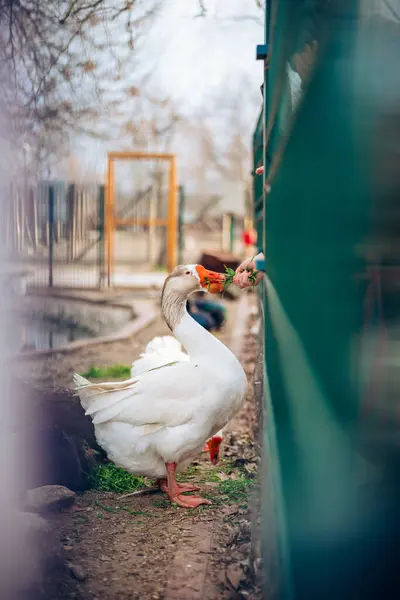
(160, 416)
(163, 351)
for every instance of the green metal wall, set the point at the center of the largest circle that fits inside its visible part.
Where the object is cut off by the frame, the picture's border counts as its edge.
(324, 531)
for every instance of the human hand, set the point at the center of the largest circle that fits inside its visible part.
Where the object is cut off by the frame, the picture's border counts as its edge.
(246, 265)
(249, 264)
(244, 279)
(244, 273)
(260, 170)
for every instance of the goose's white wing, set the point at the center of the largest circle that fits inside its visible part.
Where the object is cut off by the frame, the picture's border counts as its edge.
(165, 397)
(163, 343)
(160, 351)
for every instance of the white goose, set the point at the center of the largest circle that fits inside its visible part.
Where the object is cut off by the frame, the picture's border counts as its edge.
(159, 352)
(156, 423)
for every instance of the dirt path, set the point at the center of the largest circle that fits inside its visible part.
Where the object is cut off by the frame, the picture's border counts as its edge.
(143, 547)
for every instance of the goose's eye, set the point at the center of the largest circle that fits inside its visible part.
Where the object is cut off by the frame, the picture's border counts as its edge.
(187, 273)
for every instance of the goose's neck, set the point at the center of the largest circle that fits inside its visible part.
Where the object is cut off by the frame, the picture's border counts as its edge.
(196, 340)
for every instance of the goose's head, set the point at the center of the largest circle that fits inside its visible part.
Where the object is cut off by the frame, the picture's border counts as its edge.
(186, 279)
(183, 281)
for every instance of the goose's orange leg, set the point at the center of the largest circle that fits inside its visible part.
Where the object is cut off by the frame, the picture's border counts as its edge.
(183, 487)
(174, 493)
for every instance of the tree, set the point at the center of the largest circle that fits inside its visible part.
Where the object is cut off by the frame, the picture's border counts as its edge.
(223, 129)
(218, 139)
(57, 59)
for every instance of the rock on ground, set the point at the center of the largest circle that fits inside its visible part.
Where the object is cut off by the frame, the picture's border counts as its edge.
(77, 572)
(49, 498)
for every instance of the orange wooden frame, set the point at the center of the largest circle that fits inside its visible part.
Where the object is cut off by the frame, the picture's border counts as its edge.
(111, 222)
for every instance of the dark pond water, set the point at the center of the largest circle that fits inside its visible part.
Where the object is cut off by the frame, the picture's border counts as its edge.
(44, 334)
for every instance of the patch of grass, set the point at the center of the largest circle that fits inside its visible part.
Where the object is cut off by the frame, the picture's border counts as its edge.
(109, 478)
(214, 476)
(234, 491)
(115, 371)
(191, 471)
(231, 491)
(233, 486)
(204, 473)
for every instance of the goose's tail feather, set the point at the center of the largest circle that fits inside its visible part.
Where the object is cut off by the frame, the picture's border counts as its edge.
(98, 396)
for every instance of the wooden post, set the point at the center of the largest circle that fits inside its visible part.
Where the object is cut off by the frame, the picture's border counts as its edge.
(172, 217)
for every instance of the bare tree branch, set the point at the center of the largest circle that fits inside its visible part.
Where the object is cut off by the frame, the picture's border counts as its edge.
(75, 8)
(55, 58)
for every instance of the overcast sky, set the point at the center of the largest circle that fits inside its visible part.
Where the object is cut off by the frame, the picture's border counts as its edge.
(196, 55)
(190, 59)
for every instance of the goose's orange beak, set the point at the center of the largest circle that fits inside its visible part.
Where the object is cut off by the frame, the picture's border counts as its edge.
(210, 280)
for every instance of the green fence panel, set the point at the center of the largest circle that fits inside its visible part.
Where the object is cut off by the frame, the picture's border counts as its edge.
(257, 180)
(316, 129)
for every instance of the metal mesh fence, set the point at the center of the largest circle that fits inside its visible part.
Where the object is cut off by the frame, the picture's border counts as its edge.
(54, 233)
